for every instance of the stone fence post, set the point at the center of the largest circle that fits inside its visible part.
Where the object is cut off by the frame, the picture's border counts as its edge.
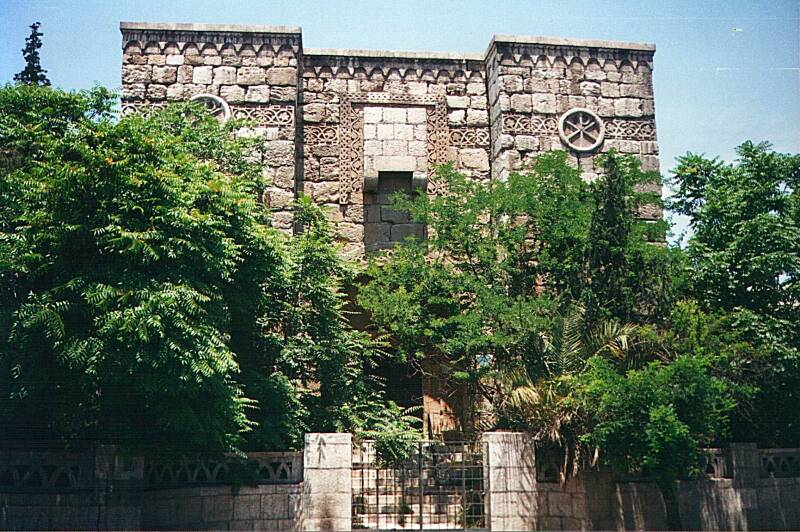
(745, 463)
(511, 491)
(326, 502)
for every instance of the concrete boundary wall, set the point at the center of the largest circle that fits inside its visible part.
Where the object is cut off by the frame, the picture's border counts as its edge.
(745, 495)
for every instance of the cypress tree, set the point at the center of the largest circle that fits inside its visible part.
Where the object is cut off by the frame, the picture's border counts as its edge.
(33, 73)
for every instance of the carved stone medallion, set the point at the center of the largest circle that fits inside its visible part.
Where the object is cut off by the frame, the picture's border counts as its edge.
(581, 129)
(217, 107)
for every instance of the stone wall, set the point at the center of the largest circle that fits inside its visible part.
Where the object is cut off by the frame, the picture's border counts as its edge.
(69, 491)
(365, 113)
(745, 489)
(250, 74)
(334, 120)
(265, 507)
(541, 91)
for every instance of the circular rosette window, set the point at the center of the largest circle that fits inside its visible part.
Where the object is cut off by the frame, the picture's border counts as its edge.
(217, 107)
(581, 130)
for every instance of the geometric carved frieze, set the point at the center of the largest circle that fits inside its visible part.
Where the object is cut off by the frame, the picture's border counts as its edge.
(547, 124)
(522, 124)
(631, 129)
(394, 99)
(320, 135)
(143, 108)
(438, 134)
(351, 152)
(265, 115)
(462, 137)
(516, 124)
(260, 115)
(617, 128)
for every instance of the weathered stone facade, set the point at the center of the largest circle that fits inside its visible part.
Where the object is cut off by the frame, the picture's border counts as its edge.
(348, 127)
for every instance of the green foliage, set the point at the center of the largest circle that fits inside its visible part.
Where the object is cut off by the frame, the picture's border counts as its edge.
(146, 299)
(742, 274)
(655, 418)
(396, 434)
(545, 407)
(506, 262)
(627, 276)
(756, 355)
(33, 73)
(320, 367)
(745, 217)
(120, 241)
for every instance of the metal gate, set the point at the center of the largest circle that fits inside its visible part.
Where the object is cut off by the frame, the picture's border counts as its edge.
(440, 487)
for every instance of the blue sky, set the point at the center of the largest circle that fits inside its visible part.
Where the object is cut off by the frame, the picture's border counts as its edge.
(724, 71)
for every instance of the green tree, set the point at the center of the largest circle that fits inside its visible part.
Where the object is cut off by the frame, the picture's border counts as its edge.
(654, 420)
(544, 405)
(505, 261)
(121, 241)
(743, 265)
(627, 276)
(33, 73)
(146, 299)
(469, 297)
(745, 221)
(314, 370)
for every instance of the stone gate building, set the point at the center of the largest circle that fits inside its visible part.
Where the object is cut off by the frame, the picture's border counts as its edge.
(349, 127)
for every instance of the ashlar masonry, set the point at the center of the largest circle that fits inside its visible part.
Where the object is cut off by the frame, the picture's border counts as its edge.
(349, 127)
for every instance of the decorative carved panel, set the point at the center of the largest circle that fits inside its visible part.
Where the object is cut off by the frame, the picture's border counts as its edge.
(351, 152)
(581, 129)
(438, 142)
(377, 98)
(631, 129)
(145, 108)
(617, 128)
(265, 115)
(529, 125)
(351, 137)
(464, 137)
(261, 115)
(321, 135)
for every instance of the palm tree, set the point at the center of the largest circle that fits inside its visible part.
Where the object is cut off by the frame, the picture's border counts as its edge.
(542, 403)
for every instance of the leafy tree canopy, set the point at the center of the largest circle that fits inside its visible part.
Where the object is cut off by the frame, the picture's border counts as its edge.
(146, 299)
(505, 260)
(742, 269)
(653, 420)
(745, 219)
